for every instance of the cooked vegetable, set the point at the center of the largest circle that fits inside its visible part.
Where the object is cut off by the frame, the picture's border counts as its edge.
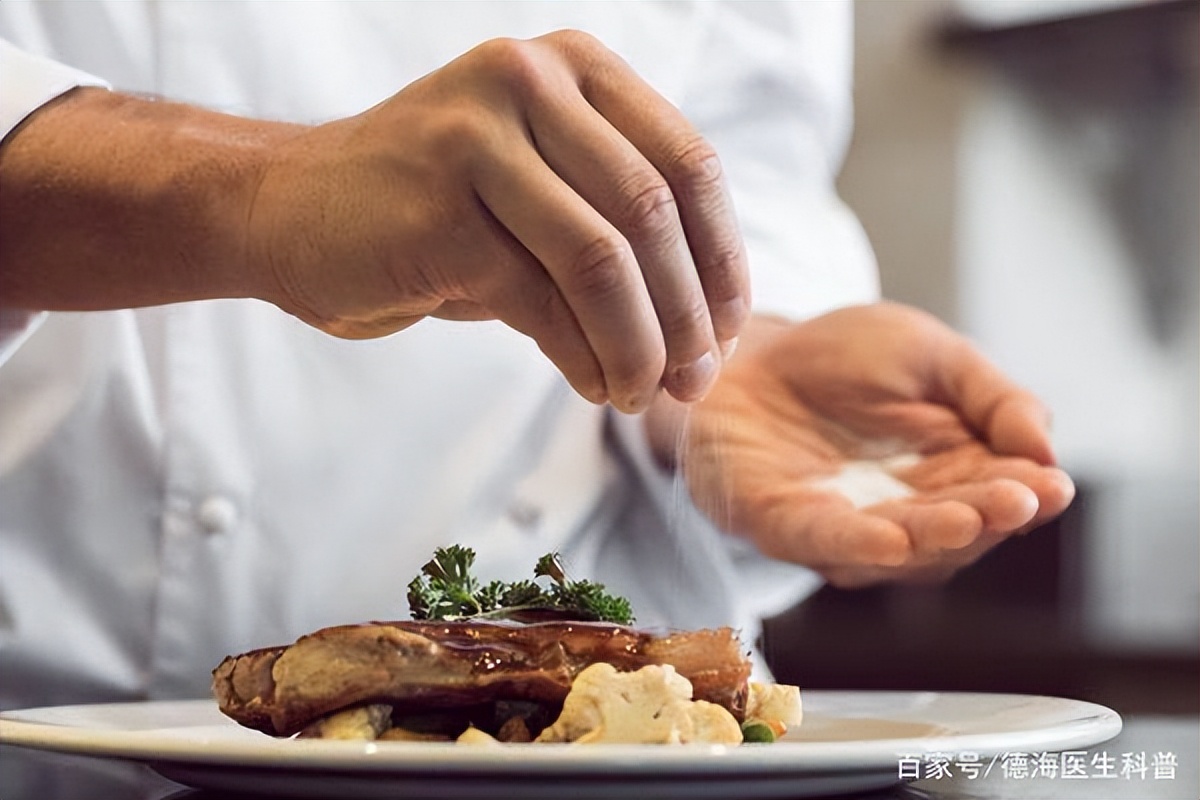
(653, 705)
(447, 590)
(775, 703)
(758, 732)
(361, 722)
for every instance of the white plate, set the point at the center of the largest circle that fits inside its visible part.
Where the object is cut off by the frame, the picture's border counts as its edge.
(850, 741)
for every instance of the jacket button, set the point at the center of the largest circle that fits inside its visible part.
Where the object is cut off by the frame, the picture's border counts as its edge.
(217, 514)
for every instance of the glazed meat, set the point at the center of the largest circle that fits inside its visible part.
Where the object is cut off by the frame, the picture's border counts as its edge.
(421, 666)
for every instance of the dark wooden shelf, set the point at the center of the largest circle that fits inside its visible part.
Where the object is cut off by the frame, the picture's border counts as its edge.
(1129, 57)
(1096, 23)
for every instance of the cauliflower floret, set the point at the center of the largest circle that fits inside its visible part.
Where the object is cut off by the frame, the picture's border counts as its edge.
(363, 722)
(650, 706)
(714, 724)
(473, 735)
(774, 702)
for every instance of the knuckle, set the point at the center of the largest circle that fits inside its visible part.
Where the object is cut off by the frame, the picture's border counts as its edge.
(515, 63)
(462, 134)
(686, 324)
(571, 41)
(582, 53)
(694, 165)
(725, 273)
(601, 267)
(650, 208)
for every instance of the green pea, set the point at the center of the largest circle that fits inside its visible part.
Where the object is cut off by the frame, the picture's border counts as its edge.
(757, 731)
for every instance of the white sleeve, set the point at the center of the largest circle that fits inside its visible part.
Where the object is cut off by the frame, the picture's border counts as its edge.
(773, 93)
(27, 82)
(30, 81)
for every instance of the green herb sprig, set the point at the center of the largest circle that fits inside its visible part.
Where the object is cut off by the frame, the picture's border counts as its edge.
(446, 590)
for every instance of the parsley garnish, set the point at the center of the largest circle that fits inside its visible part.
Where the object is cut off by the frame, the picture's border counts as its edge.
(445, 589)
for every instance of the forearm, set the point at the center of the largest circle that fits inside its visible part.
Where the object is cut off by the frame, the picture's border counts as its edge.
(110, 201)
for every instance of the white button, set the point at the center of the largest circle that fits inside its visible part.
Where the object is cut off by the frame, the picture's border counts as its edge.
(217, 514)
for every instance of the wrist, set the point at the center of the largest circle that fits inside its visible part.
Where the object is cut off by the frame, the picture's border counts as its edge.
(114, 201)
(208, 189)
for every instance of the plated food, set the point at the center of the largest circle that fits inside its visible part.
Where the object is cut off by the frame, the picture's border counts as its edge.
(471, 672)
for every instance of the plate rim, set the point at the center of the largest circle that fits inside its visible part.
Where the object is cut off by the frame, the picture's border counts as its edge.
(1092, 724)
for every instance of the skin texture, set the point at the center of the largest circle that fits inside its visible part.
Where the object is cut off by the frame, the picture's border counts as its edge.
(538, 182)
(542, 183)
(800, 401)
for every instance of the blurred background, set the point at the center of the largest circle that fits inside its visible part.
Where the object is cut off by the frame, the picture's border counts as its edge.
(1028, 170)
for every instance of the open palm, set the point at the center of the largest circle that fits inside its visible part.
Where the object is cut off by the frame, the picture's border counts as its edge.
(871, 444)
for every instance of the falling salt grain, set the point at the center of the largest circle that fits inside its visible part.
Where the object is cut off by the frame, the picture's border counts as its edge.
(865, 483)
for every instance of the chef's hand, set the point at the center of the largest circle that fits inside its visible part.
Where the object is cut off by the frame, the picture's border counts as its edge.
(870, 444)
(538, 182)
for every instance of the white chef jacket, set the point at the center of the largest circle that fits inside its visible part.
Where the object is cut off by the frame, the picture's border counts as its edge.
(183, 482)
